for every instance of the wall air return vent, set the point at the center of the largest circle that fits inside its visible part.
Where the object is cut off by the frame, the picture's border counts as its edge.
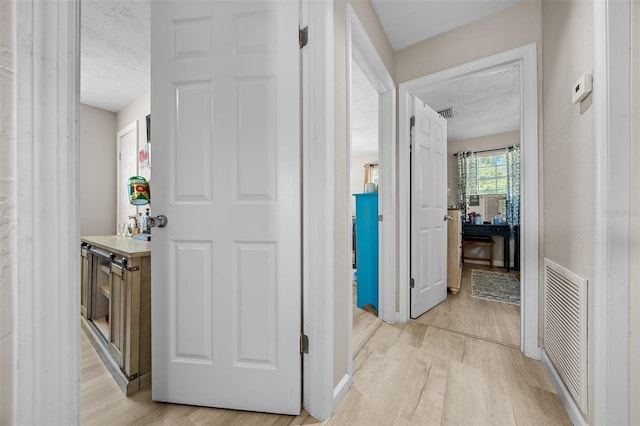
(447, 113)
(565, 328)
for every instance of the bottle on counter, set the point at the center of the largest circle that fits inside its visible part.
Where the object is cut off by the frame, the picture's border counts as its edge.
(146, 228)
(136, 224)
(143, 223)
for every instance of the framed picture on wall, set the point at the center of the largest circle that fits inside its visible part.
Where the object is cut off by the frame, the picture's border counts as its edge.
(144, 155)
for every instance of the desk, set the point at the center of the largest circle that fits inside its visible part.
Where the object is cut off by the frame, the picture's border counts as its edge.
(489, 231)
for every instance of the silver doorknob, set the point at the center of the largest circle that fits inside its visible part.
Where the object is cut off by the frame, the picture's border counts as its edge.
(160, 220)
(447, 217)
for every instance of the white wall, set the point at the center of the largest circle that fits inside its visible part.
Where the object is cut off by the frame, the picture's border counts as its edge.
(8, 201)
(569, 135)
(97, 171)
(369, 20)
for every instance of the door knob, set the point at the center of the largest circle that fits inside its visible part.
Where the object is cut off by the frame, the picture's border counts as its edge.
(447, 217)
(160, 220)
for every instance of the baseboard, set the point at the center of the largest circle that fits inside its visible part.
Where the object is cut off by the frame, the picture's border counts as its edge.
(340, 391)
(567, 400)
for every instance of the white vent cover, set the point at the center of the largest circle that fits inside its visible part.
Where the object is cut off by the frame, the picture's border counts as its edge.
(447, 113)
(565, 328)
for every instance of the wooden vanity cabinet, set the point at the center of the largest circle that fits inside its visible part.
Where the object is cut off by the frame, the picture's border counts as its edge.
(122, 337)
(118, 315)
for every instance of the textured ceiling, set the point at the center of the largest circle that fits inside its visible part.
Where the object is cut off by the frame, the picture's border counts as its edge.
(115, 64)
(485, 103)
(406, 22)
(115, 46)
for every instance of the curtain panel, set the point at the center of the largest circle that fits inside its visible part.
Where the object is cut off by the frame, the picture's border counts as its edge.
(467, 178)
(512, 155)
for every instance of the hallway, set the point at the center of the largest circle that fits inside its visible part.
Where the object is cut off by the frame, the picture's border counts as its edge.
(404, 374)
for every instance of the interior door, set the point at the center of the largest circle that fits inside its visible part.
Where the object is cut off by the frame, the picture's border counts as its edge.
(127, 167)
(428, 209)
(226, 270)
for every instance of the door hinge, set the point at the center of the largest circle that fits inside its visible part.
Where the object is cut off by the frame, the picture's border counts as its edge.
(304, 344)
(412, 283)
(379, 218)
(303, 36)
(412, 121)
(120, 156)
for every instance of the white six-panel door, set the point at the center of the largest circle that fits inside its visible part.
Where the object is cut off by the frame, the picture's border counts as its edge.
(428, 209)
(226, 277)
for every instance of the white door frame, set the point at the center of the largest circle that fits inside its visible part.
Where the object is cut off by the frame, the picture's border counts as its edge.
(612, 112)
(526, 58)
(45, 274)
(360, 49)
(317, 209)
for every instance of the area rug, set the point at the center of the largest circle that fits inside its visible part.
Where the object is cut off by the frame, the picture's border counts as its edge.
(495, 286)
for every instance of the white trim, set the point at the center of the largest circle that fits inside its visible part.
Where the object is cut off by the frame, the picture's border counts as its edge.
(48, 233)
(318, 208)
(612, 107)
(341, 390)
(361, 49)
(526, 57)
(563, 393)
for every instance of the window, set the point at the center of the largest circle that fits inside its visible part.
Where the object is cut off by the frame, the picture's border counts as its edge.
(370, 173)
(492, 174)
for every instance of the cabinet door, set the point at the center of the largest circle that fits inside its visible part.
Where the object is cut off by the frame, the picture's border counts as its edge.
(85, 282)
(117, 314)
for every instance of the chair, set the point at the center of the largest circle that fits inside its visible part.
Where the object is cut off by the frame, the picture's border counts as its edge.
(481, 242)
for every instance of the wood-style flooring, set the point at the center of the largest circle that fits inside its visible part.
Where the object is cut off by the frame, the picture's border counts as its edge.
(472, 316)
(404, 374)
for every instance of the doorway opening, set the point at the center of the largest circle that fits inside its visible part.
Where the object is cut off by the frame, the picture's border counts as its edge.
(483, 181)
(364, 176)
(525, 60)
(361, 53)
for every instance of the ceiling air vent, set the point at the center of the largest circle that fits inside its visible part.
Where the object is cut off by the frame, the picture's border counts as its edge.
(447, 113)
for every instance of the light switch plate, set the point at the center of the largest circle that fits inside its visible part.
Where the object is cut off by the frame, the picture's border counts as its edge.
(582, 88)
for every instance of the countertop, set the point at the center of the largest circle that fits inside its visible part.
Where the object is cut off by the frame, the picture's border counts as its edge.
(127, 246)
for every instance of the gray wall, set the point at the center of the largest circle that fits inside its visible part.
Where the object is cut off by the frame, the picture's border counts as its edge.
(568, 152)
(97, 171)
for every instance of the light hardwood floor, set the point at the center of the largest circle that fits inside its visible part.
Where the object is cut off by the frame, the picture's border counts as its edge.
(472, 316)
(405, 374)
